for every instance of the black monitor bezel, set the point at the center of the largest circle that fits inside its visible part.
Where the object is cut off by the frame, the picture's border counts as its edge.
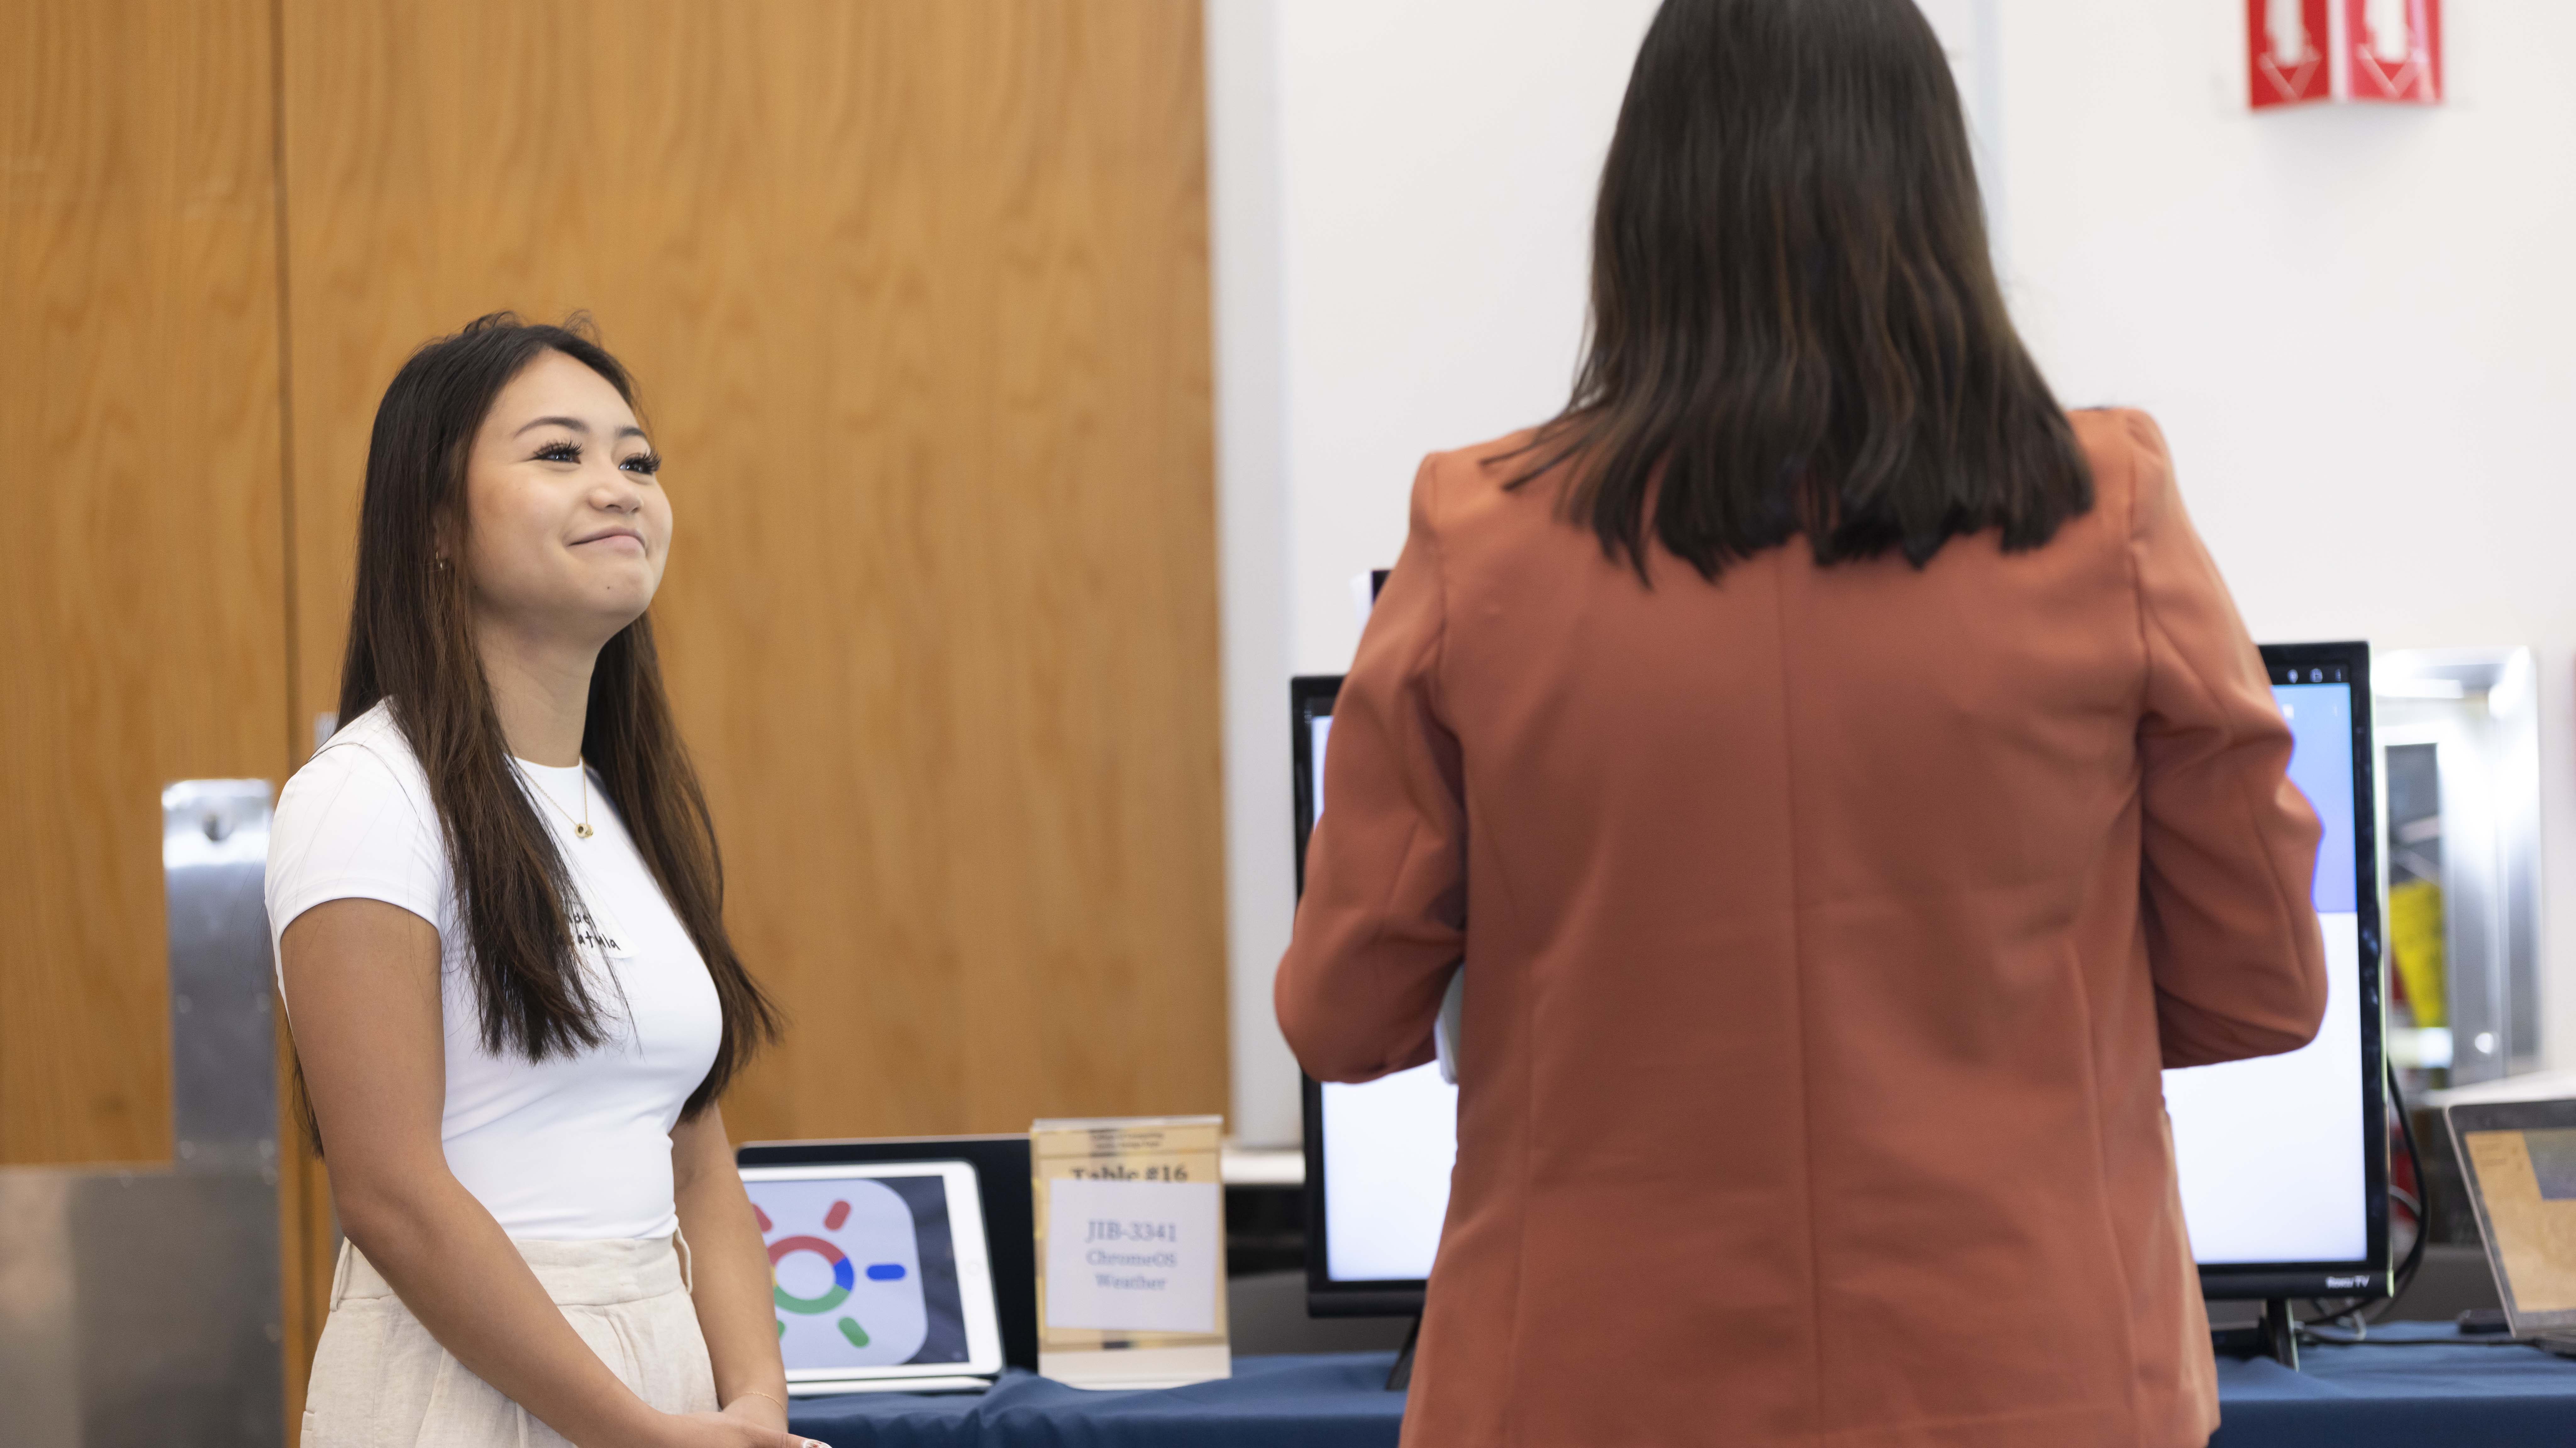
(2368, 1277)
(1310, 696)
(2371, 1275)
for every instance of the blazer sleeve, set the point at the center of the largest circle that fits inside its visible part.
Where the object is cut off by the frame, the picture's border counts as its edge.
(2230, 844)
(1384, 915)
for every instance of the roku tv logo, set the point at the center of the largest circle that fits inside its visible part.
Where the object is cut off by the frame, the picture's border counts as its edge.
(848, 1295)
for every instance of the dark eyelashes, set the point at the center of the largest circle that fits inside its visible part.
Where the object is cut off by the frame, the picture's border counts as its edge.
(647, 463)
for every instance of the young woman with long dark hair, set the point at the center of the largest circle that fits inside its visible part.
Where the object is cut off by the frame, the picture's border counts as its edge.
(500, 933)
(1846, 782)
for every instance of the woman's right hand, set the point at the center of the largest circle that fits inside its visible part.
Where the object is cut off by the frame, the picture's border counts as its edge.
(724, 1430)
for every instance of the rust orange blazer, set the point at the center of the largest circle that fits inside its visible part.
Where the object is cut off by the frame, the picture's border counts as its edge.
(1824, 933)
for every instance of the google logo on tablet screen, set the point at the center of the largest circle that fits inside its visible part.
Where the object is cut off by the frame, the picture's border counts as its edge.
(875, 1309)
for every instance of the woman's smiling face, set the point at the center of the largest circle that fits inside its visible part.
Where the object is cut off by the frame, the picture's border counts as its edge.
(567, 527)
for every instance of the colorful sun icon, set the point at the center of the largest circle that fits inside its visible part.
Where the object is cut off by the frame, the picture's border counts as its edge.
(844, 1276)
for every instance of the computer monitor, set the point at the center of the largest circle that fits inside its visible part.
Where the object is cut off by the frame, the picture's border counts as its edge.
(2283, 1160)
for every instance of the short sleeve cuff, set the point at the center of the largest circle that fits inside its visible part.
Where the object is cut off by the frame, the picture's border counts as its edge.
(402, 894)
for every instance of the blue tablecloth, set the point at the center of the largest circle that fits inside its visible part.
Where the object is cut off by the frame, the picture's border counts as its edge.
(2432, 1392)
(2414, 1384)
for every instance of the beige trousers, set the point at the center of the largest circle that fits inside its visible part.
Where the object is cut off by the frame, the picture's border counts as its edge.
(381, 1381)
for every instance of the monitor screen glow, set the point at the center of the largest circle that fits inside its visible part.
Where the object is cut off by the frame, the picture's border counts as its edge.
(2270, 1150)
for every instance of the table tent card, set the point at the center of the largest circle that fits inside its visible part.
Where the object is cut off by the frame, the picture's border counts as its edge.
(1131, 1251)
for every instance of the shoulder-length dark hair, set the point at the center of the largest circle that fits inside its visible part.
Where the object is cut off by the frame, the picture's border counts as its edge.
(411, 646)
(1796, 327)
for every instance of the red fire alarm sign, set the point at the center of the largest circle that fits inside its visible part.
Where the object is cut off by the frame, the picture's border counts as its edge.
(2343, 50)
(2289, 40)
(2396, 51)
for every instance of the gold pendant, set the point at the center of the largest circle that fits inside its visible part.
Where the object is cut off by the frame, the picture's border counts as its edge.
(582, 830)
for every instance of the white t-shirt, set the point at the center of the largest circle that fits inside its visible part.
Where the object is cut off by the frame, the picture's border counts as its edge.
(573, 1148)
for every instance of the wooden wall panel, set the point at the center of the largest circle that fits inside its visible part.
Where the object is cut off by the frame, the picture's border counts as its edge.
(142, 570)
(144, 592)
(917, 294)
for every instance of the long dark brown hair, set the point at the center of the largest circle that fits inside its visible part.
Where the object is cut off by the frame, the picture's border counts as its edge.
(1796, 327)
(411, 646)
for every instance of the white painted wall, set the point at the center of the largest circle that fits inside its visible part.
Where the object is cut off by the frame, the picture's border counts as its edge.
(1403, 196)
(2349, 321)
(1439, 159)
(1253, 574)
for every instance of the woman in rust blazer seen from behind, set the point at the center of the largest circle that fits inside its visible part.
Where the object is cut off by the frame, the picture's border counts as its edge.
(1847, 783)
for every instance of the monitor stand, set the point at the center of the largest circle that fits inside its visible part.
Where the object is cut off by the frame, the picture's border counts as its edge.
(2275, 1335)
(1400, 1377)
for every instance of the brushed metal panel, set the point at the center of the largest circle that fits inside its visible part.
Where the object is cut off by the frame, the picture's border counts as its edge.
(138, 1309)
(223, 1079)
(140, 1306)
(2480, 710)
(39, 1343)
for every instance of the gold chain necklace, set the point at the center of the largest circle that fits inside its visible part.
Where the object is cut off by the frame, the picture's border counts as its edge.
(580, 827)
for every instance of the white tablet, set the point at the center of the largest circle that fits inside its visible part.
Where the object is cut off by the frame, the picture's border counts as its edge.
(880, 1275)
